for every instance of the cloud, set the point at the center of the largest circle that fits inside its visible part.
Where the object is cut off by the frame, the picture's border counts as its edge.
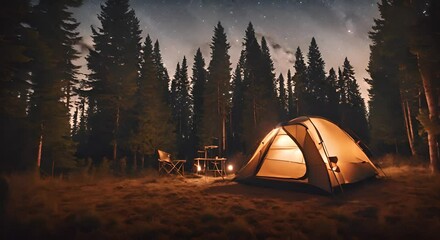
(277, 48)
(84, 47)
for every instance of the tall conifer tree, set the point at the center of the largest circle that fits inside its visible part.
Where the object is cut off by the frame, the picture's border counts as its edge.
(332, 98)
(282, 98)
(341, 88)
(269, 92)
(299, 81)
(184, 112)
(388, 52)
(81, 133)
(154, 127)
(198, 82)
(162, 73)
(15, 64)
(217, 94)
(114, 64)
(260, 111)
(181, 108)
(356, 112)
(424, 38)
(237, 106)
(173, 98)
(252, 86)
(53, 73)
(316, 82)
(290, 99)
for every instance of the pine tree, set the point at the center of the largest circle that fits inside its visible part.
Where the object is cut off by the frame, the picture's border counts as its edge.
(14, 49)
(14, 67)
(53, 73)
(154, 126)
(199, 75)
(341, 89)
(252, 88)
(162, 72)
(260, 110)
(423, 43)
(184, 112)
(173, 99)
(269, 92)
(316, 83)
(237, 107)
(403, 63)
(114, 65)
(389, 51)
(181, 109)
(217, 94)
(356, 111)
(268, 75)
(81, 132)
(299, 81)
(332, 99)
(282, 98)
(347, 83)
(290, 98)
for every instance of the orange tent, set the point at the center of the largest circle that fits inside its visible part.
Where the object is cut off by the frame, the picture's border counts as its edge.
(311, 150)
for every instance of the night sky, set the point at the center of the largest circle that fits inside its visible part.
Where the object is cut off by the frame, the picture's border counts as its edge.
(340, 28)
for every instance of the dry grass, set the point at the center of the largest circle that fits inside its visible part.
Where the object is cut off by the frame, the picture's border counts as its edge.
(405, 205)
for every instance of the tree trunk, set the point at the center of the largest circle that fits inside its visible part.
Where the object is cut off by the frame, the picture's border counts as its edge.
(408, 125)
(142, 161)
(433, 153)
(53, 167)
(426, 75)
(40, 150)
(40, 147)
(220, 124)
(135, 162)
(224, 134)
(411, 127)
(115, 140)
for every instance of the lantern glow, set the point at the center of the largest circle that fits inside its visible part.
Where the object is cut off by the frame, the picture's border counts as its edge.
(230, 167)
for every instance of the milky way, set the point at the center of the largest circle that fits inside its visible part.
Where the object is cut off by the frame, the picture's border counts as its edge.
(340, 28)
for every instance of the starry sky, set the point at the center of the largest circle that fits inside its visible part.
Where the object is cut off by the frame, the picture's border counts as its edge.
(340, 28)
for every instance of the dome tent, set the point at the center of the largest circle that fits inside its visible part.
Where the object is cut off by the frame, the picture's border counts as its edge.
(309, 150)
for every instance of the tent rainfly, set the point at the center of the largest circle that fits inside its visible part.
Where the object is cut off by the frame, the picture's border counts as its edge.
(309, 150)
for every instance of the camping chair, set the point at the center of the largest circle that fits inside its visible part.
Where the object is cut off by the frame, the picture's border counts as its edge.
(168, 166)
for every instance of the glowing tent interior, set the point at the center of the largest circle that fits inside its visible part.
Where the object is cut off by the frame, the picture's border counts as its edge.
(310, 150)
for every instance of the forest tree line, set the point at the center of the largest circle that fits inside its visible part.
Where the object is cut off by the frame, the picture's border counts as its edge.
(128, 107)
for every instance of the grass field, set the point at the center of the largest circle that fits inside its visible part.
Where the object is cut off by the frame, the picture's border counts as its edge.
(405, 205)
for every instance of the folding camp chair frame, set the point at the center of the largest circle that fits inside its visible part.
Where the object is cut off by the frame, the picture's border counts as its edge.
(168, 166)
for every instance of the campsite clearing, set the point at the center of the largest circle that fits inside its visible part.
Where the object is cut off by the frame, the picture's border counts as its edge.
(405, 205)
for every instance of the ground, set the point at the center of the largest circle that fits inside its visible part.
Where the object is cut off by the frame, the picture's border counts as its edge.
(404, 205)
